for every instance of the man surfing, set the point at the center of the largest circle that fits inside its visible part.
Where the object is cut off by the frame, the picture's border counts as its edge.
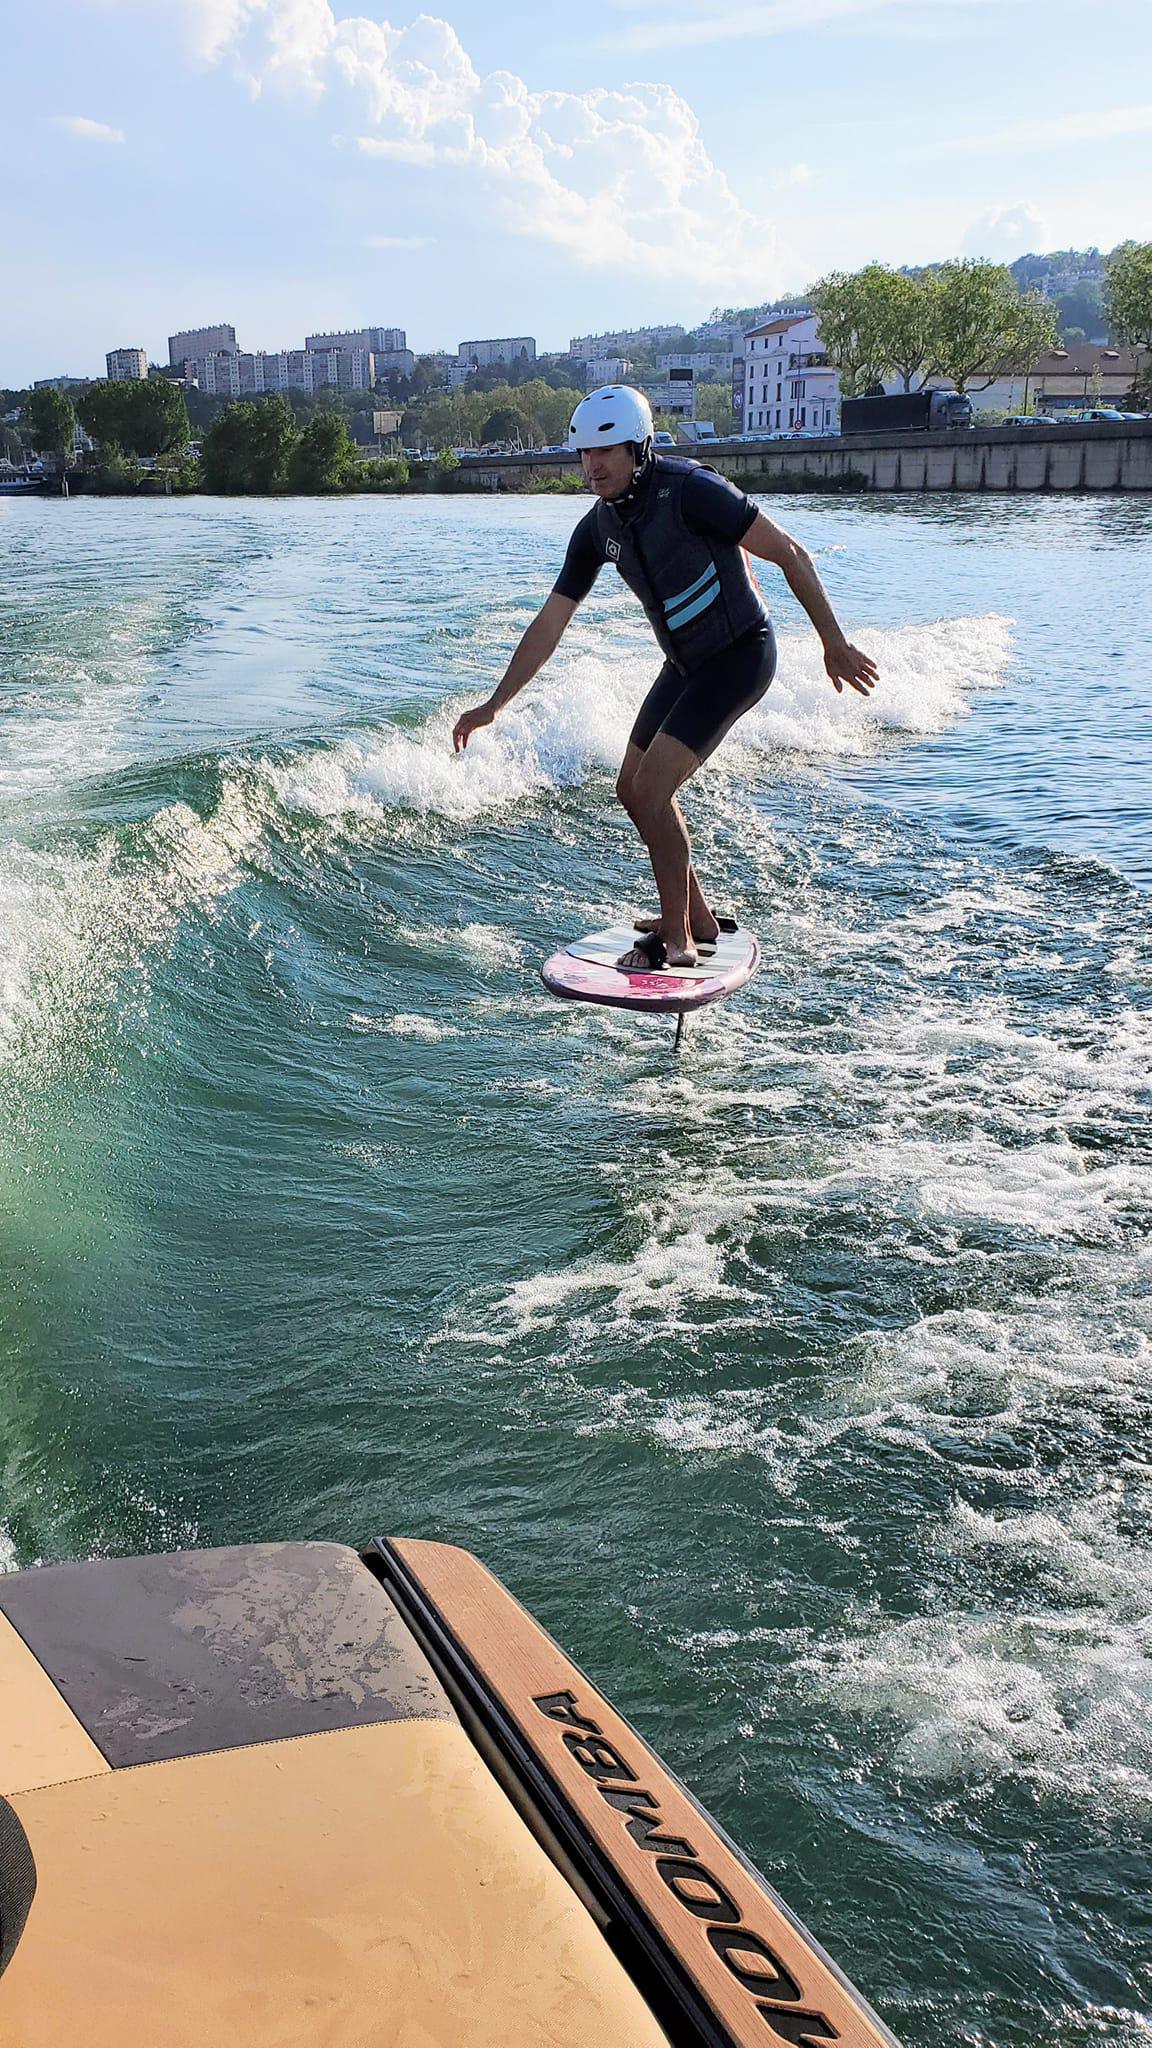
(679, 535)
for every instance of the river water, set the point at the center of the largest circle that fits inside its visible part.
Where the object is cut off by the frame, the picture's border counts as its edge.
(801, 1385)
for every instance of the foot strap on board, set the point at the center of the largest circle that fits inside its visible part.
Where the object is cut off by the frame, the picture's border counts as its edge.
(653, 948)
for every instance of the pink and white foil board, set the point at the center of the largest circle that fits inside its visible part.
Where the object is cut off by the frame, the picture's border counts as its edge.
(586, 971)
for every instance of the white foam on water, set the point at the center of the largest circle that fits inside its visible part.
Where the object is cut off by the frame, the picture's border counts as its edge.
(552, 737)
(411, 1025)
(74, 926)
(1060, 1701)
(575, 720)
(928, 677)
(680, 1253)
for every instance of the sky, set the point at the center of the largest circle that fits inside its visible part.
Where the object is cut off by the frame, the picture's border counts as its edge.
(493, 169)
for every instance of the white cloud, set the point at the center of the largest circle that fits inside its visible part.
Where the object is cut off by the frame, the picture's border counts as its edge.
(618, 178)
(88, 131)
(1005, 232)
(738, 23)
(794, 178)
(397, 242)
(1103, 126)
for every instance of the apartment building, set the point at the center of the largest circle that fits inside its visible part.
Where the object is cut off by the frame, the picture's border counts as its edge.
(787, 383)
(481, 355)
(379, 341)
(588, 348)
(230, 374)
(196, 342)
(708, 368)
(125, 365)
(607, 370)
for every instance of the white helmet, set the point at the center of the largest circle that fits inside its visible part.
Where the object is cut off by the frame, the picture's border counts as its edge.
(610, 416)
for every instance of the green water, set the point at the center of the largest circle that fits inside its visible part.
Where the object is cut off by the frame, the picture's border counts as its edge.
(801, 1386)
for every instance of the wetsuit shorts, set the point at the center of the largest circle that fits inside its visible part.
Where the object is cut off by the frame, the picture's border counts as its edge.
(698, 709)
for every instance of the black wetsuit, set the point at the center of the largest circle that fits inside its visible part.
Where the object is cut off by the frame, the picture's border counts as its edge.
(716, 635)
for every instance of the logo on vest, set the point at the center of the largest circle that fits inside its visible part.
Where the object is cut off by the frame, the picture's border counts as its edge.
(612, 550)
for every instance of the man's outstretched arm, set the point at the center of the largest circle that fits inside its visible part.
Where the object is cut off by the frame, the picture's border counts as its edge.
(844, 663)
(537, 645)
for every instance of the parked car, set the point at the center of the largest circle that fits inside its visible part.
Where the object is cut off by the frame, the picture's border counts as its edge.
(1091, 412)
(663, 441)
(1030, 419)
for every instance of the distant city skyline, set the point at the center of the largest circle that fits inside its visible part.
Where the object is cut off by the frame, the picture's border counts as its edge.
(291, 168)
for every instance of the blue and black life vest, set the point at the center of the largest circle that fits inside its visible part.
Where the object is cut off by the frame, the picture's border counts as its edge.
(698, 594)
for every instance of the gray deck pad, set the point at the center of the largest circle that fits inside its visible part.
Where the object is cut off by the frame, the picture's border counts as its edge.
(173, 1656)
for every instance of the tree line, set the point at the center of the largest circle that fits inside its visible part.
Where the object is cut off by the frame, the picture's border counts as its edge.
(967, 322)
(256, 446)
(133, 417)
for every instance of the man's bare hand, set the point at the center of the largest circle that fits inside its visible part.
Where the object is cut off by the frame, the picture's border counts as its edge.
(846, 664)
(470, 722)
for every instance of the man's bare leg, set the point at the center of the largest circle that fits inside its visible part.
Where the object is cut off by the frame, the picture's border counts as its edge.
(651, 790)
(701, 922)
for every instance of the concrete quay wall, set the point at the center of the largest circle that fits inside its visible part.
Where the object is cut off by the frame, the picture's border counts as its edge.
(1099, 455)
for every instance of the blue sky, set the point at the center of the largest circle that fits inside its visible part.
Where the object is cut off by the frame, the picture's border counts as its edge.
(290, 164)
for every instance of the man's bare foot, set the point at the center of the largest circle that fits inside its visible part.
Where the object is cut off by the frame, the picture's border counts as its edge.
(704, 931)
(683, 956)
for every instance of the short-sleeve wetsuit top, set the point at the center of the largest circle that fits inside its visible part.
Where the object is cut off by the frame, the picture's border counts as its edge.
(675, 539)
(711, 507)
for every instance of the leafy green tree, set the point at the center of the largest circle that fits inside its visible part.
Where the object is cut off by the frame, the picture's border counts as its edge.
(454, 418)
(323, 457)
(384, 472)
(1129, 293)
(714, 402)
(52, 417)
(908, 315)
(158, 417)
(103, 413)
(983, 327)
(249, 446)
(145, 417)
(506, 423)
(855, 322)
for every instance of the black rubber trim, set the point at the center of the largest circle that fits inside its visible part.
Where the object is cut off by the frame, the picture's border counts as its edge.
(17, 1881)
(652, 1962)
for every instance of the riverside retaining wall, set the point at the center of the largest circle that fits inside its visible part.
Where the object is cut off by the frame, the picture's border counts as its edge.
(1098, 455)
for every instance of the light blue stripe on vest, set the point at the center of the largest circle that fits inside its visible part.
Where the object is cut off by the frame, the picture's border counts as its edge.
(670, 603)
(701, 604)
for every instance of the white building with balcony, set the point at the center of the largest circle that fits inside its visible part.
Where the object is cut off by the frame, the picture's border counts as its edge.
(788, 384)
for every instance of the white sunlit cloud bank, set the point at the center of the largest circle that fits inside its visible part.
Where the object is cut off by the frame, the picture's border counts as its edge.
(615, 177)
